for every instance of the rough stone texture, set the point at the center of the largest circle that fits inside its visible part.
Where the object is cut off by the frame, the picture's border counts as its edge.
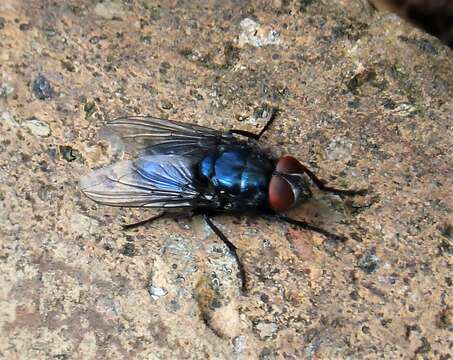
(365, 99)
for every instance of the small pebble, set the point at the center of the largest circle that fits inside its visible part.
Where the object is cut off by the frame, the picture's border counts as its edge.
(41, 88)
(109, 10)
(156, 292)
(256, 35)
(38, 127)
(7, 118)
(6, 90)
(266, 330)
(84, 225)
(339, 149)
(369, 261)
(239, 343)
(44, 193)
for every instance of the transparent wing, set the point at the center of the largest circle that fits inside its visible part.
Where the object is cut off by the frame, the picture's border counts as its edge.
(157, 136)
(164, 181)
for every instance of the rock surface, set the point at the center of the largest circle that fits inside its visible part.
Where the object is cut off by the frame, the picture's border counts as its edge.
(365, 100)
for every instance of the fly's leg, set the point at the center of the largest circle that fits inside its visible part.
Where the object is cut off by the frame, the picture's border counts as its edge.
(269, 120)
(142, 222)
(311, 227)
(321, 185)
(231, 248)
(246, 133)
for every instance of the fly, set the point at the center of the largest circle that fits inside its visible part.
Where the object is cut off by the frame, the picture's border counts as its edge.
(202, 171)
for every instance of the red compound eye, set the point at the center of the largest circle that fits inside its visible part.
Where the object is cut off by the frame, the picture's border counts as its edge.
(281, 195)
(289, 165)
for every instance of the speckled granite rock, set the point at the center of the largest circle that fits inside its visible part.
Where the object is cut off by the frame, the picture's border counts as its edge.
(365, 99)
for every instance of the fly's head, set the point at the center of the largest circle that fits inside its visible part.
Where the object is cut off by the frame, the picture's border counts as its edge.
(289, 185)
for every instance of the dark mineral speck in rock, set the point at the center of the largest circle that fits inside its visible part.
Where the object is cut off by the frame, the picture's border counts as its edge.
(94, 40)
(128, 249)
(354, 295)
(265, 354)
(2, 23)
(24, 27)
(146, 39)
(68, 153)
(6, 90)
(50, 32)
(89, 108)
(215, 304)
(173, 306)
(369, 261)
(164, 67)
(166, 105)
(196, 95)
(42, 88)
(305, 3)
(425, 347)
(67, 65)
(447, 231)
(44, 192)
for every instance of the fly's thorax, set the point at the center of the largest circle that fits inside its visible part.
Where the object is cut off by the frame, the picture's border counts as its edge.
(289, 185)
(239, 175)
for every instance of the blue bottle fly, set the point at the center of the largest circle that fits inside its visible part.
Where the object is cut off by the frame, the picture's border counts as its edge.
(203, 171)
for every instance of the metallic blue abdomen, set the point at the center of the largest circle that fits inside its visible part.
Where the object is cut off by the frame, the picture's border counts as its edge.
(239, 174)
